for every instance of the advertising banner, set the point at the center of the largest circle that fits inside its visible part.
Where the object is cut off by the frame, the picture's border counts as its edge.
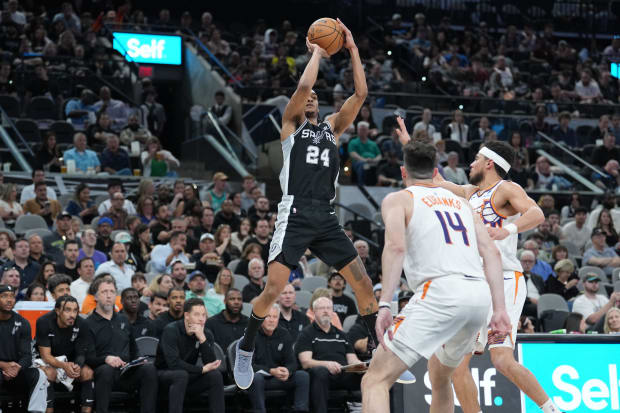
(149, 48)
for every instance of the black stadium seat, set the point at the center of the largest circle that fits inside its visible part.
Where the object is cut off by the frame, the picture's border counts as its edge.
(42, 107)
(10, 104)
(29, 130)
(64, 131)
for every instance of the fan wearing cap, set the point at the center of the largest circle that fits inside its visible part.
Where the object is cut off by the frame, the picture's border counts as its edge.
(344, 305)
(198, 289)
(217, 195)
(42, 205)
(207, 259)
(54, 243)
(591, 305)
(600, 255)
(104, 231)
(16, 365)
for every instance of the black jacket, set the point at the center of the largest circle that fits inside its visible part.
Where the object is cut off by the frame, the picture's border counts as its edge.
(274, 351)
(109, 338)
(179, 351)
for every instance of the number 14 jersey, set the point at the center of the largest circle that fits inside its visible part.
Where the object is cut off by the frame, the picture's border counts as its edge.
(440, 237)
(311, 162)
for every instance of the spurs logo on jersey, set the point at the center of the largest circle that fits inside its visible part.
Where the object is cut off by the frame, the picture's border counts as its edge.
(318, 135)
(482, 203)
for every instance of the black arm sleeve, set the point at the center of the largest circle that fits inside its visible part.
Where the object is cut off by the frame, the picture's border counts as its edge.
(24, 351)
(172, 355)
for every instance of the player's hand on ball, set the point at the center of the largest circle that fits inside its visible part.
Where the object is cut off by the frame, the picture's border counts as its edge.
(497, 234)
(349, 43)
(313, 47)
(500, 323)
(401, 131)
(384, 321)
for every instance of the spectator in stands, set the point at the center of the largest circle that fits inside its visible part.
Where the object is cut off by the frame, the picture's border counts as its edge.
(176, 300)
(85, 159)
(372, 267)
(600, 255)
(228, 325)
(365, 115)
(158, 304)
(10, 209)
(17, 371)
(154, 115)
(389, 173)
(28, 269)
(141, 326)
(539, 124)
(565, 283)
(40, 84)
(544, 178)
(252, 250)
(35, 292)
(157, 161)
(7, 238)
(541, 267)
(403, 298)
(606, 223)
(104, 230)
(318, 293)
(364, 153)
(323, 350)
(227, 216)
(223, 282)
(480, 132)
(134, 132)
(612, 179)
(568, 211)
(425, 123)
(49, 209)
(47, 158)
(38, 175)
(80, 112)
(177, 355)
(89, 250)
(79, 287)
(260, 210)
(591, 305)
(220, 110)
(197, 289)
(141, 247)
(98, 131)
(207, 258)
(115, 109)
(161, 284)
(452, 172)
(291, 319)
(117, 267)
(393, 144)
(7, 84)
(344, 306)
(248, 184)
(81, 205)
(217, 195)
(612, 321)
(163, 256)
(256, 271)
(549, 240)
(115, 160)
(457, 129)
(261, 237)
(10, 276)
(564, 133)
(587, 89)
(106, 356)
(238, 238)
(615, 127)
(116, 212)
(577, 231)
(607, 151)
(36, 249)
(608, 201)
(115, 186)
(274, 355)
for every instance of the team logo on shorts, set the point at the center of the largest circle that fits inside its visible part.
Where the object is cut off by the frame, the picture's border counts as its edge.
(274, 247)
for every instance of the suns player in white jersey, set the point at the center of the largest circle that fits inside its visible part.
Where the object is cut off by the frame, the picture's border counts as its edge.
(506, 210)
(435, 237)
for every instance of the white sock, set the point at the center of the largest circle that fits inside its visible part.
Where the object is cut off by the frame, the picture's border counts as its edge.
(550, 407)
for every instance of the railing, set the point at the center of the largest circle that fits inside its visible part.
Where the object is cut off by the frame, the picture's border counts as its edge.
(8, 141)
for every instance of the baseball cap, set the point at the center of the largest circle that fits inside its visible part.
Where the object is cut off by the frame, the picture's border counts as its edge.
(220, 176)
(332, 275)
(206, 235)
(64, 214)
(105, 220)
(377, 286)
(405, 295)
(597, 231)
(196, 273)
(590, 276)
(5, 287)
(123, 237)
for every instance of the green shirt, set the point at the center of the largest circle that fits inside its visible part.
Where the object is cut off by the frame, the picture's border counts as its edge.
(366, 150)
(213, 304)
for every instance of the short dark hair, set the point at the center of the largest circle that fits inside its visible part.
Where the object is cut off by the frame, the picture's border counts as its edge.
(70, 242)
(100, 279)
(158, 295)
(138, 276)
(115, 182)
(79, 263)
(231, 290)
(127, 291)
(175, 288)
(581, 209)
(62, 301)
(504, 150)
(20, 240)
(175, 234)
(553, 212)
(57, 279)
(191, 303)
(219, 93)
(420, 159)
(38, 184)
(35, 170)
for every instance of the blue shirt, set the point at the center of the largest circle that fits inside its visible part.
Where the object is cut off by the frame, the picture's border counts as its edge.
(116, 161)
(98, 257)
(543, 269)
(76, 104)
(608, 252)
(159, 255)
(83, 160)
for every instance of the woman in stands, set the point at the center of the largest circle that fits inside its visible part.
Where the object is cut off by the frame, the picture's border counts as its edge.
(517, 143)
(239, 238)
(606, 223)
(48, 268)
(10, 209)
(559, 252)
(35, 292)
(6, 246)
(141, 247)
(457, 129)
(365, 115)
(81, 205)
(568, 211)
(565, 283)
(222, 284)
(146, 209)
(161, 284)
(48, 156)
(223, 244)
(250, 251)
(157, 161)
(612, 321)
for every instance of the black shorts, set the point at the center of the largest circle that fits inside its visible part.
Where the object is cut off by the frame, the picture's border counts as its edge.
(306, 223)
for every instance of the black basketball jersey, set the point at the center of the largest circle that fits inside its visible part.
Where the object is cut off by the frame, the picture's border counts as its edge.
(311, 162)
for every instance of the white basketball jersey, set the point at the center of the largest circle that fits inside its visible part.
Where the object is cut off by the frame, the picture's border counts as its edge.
(482, 203)
(440, 238)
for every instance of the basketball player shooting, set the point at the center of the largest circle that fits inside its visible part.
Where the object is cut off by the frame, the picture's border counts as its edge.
(306, 218)
(506, 210)
(424, 225)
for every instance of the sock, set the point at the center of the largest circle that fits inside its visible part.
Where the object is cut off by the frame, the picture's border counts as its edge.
(370, 320)
(86, 393)
(550, 407)
(247, 342)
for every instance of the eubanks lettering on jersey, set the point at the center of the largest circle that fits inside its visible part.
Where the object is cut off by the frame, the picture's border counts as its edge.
(432, 200)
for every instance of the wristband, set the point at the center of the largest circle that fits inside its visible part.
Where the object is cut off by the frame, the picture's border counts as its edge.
(385, 304)
(512, 229)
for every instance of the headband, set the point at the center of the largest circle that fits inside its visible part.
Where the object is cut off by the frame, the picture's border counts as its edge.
(501, 162)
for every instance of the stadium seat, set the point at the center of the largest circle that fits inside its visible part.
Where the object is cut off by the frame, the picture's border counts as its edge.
(219, 354)
(240, 281)
(573, 249)
(64, 131)
(147, 346)
(26, 222)
(615, 275)
(588, 268)
(617, 285)
(42, 232)
(551, 302)
(10, 104)
(348, 322)
(247, 309)
(29, 130)
(232, 265)
(2, 224)
(42, 107)
(302, 298)
(551, 320)
(312, 283)
(456, 147)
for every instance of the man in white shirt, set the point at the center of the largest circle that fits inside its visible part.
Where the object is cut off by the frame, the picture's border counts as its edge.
(79, 287)
(38, 175)
(591, 305)
(425, 124)
(163, 256)
(577, 231)
(117, 267)
(587, 90)
(115, 186)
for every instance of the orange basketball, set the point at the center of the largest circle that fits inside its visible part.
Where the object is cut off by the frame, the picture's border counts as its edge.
(327, 34)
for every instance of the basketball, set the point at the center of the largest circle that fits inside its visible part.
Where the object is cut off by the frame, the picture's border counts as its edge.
(326, 33)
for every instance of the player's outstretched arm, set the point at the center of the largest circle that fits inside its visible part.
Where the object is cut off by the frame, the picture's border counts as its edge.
(351, 107)
(500, 322)
(394, 219)
(294, 111)
(531, 214)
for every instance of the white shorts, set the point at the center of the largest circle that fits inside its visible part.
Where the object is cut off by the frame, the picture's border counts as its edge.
(442, 318)
(515, 292)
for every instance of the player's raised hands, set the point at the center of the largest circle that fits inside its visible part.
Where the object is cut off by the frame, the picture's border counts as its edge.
(313, 47)
(349, 43)
(401, 131)
(500, 323)
(383, 323)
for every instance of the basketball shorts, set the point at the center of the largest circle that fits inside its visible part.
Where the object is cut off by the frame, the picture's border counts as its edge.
(309, 224)
(515, 292)
(442, 318)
